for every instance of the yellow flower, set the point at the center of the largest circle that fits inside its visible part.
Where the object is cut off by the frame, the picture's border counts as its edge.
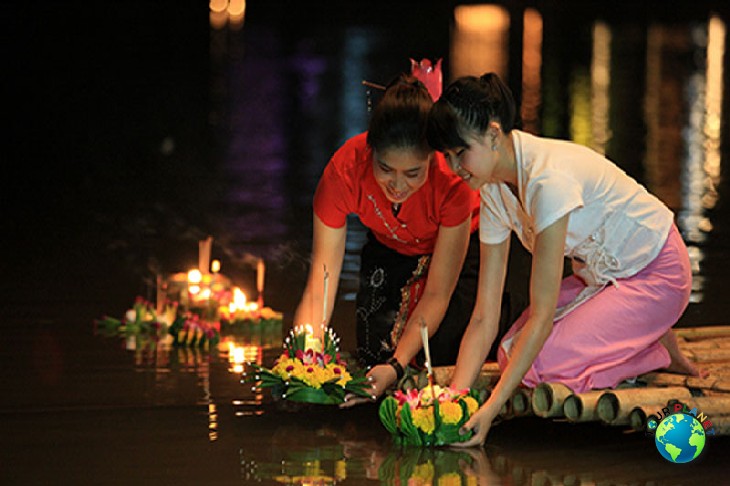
(428, 393)
(345, 379)
(449, 479)
(450, 412)
(287, 367)
(334, 370)
(340, 470)
(314, 375)
(422, 474)
(423, 419)
(471, 405)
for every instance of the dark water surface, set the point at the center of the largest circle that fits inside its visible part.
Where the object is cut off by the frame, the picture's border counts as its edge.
(137, 129)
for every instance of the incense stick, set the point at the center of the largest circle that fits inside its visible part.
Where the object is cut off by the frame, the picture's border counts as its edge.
(373, 85)
(427, 352)
(324, 297)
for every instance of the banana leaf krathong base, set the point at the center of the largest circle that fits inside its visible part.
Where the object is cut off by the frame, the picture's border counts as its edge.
(309, 371)
(415, 418)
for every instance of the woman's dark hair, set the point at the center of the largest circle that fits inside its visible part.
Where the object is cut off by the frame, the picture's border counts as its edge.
(399, 120)
(467, 106)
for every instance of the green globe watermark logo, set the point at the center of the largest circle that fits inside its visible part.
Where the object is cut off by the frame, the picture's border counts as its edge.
(681, 434)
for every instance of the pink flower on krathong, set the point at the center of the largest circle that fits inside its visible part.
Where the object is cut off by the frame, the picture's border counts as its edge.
(430, 75)
(451, 395)
(289, 368)
(306, 357)
(412, 397)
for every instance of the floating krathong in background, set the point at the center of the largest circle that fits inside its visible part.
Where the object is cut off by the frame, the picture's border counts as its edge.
(194, 308)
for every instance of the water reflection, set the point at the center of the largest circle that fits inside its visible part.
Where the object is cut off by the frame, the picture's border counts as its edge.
(531, 69)
(327, 456)
(480, 40)
(335, 458)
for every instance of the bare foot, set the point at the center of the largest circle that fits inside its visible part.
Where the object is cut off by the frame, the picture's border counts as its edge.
(679, 362)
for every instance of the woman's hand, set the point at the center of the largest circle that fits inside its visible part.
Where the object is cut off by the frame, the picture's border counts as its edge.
(381, 377)
(480, 423)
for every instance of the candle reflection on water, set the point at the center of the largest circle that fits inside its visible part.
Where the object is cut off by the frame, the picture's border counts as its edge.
(531, 69)
(600, 84)
(479, 40)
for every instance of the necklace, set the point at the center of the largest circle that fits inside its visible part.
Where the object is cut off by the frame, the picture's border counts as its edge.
(379, 213)
(395, 208)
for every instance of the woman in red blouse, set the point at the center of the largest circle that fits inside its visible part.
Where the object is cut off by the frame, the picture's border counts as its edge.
(420, 263)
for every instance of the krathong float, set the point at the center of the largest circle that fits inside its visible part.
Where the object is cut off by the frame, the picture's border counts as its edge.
(432, 416)
(179, 329)
(310, 370)
(194, 308)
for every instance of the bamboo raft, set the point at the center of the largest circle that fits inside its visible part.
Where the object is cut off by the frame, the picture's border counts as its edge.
(631, 405)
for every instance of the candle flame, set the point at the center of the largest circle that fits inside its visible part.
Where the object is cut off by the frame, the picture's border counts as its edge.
(194, 276)
(238, 301)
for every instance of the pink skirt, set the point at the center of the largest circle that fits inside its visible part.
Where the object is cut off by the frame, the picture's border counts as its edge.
(615, 334)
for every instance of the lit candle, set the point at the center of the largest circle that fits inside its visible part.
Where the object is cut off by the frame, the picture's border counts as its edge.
(204, 247)
(310, 342)
(424, 338)
(260, 272)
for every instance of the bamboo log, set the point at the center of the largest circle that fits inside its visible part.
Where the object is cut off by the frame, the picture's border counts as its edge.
(710, 343)
(720, 425)
(709, 383)
(518, 404)
(582, 407)
(720, 370)
(722, 385)
(487, 378)
(548, 398)
(708, 355)
(708, 405)
(702, 332)
(640, 415)
(614, 406)
(717, 381)
(663, 379)
(521, 402)
(716, 409)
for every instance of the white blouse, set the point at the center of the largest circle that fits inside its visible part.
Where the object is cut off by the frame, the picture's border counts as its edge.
(616, 227)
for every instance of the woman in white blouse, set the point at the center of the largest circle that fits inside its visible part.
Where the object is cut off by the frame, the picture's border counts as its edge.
(611, 319)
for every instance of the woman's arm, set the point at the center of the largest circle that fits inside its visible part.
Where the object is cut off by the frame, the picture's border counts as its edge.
(547, 273)
(328, 249)
(443, 272)
(484, 323)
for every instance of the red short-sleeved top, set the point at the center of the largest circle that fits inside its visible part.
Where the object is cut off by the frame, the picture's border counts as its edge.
(348, 186)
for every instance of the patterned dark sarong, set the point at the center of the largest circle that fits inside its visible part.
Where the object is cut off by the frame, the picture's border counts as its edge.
(391, 285)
